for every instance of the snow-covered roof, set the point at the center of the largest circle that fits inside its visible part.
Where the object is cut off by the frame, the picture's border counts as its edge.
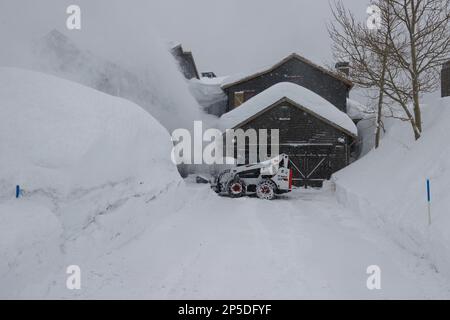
(242, 77)
(216, 81)
(356, 110)
(299, 96)
(207, 91)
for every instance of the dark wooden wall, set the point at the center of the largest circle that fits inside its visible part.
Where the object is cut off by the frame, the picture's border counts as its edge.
(301, 73)
(307, 140)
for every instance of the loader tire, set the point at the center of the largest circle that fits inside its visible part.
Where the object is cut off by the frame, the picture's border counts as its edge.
(266, 189)
(222, 183)
(236, 188)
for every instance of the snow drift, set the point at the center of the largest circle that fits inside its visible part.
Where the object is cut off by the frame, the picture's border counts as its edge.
(102, 194)
(117, 51)
(58, 135)
(156, 85)
(208, 93)
(388, 185)
(78, 155)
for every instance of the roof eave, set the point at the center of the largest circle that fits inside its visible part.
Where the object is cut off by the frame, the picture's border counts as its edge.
(347, 82)
(286, 99)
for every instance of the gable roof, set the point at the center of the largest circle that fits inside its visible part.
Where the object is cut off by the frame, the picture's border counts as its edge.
(296, 95)
(233, 80)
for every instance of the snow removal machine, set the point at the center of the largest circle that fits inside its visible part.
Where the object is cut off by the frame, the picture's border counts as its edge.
(265, 179)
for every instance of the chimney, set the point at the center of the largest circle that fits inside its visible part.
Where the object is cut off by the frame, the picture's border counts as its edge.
(445, 80)
(343, 67)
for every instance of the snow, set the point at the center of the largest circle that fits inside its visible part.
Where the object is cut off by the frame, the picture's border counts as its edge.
(209, 94)
(229, 80)
(78, 154)
(356, 110)
(101, 192)
(245, 75)
(388, 185)
(216, 81)
(300, 95)
(58, 135)
(151, 84)
(92, 156)
(30, 235)
(303, 245)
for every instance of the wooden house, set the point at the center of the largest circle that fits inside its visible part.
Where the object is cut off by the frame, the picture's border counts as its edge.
(332, 86)
(317, 135)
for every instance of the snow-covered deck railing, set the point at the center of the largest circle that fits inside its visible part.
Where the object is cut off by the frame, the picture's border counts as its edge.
(296, 94)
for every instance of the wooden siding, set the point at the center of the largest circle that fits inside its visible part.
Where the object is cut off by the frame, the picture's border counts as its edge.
(301, 73)
(316, 148)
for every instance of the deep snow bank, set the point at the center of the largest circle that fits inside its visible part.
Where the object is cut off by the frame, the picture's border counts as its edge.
(388, 186)
(29, 246)
(61, 136)
(79, 155)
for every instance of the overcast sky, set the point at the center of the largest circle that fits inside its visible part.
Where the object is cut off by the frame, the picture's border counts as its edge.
(226, 36)
(234, 35)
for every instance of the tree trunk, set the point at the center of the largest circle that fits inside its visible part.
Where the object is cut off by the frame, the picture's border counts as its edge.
(378, 119)
(417, 111)
(414, 72)
(380, 107)
(384, 65)
(415, 128)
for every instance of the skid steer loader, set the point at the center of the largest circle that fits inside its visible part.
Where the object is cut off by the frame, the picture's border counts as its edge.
(265, 179)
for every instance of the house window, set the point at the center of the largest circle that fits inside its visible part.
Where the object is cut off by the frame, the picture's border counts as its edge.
(239, 98)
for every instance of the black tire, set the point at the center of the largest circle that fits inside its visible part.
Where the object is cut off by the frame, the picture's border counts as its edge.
(266, 189)
(218, 187)
(236, 188)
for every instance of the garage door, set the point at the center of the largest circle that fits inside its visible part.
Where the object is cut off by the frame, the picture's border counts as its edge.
(311, 164)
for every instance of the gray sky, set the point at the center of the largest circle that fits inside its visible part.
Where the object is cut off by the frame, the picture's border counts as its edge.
(225, 36)
(237, 35)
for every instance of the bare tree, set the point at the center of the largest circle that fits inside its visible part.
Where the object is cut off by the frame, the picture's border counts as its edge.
(425, 46)
(401, 58)
(366, 50)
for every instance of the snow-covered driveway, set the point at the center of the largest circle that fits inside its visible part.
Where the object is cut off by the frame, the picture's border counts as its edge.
(304, 245)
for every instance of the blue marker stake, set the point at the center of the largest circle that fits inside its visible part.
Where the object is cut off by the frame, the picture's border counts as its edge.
(429, 201)
(17, 191)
